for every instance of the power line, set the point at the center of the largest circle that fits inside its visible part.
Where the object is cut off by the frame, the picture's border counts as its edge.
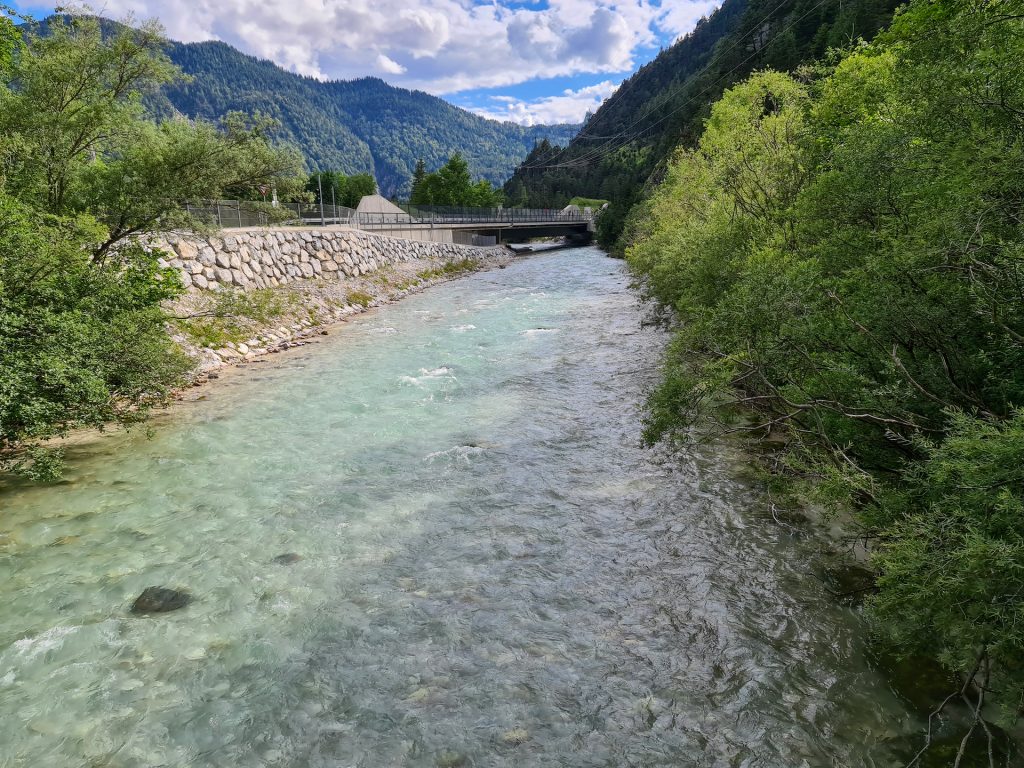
(607, 148)
(758, 25)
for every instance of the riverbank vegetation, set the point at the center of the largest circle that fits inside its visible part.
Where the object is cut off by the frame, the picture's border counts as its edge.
(85, 172)
(844, 250)
(622, 152)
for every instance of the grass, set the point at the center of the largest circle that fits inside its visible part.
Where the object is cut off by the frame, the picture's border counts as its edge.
(233, 316)
(588, 202)
(359, 298)
(449, 269)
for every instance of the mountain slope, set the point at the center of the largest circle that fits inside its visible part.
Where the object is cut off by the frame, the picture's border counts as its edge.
(354, 126)
(664, 105)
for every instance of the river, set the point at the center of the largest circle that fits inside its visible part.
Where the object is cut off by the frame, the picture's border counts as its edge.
(493, 572)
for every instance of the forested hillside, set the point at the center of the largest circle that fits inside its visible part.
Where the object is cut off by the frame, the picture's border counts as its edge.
(353, 126)
(665, 103)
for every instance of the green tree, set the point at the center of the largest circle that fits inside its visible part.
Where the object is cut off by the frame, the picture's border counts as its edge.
(454, 186)
(84, 174)
(357, 187)
(451, 184)
(844, 254)
(418, 175)
(342, 189)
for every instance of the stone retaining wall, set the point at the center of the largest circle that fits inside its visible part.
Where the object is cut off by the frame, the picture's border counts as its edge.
(260, 258)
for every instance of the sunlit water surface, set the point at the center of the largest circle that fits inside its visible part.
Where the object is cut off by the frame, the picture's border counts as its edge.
(494, 572)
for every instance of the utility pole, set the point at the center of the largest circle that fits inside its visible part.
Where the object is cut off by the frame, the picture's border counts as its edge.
(334, 206)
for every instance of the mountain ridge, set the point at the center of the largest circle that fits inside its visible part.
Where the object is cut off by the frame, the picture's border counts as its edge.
(621, 151)
(361, 125)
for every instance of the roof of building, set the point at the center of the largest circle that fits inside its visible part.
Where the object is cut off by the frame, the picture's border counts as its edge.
(377, 204)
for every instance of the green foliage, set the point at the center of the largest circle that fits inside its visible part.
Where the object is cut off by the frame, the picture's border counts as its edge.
(588, 202)
(10, 41)
(234, 316)
(451, 185)
(347, 190)
(449, 269)
(623, 150)
(359, 298)
(84, 173)
(82, 343)
(845, 253)
(418, 176)
(953, 563)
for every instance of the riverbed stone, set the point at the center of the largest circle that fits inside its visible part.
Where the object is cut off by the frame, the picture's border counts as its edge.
(160, 600)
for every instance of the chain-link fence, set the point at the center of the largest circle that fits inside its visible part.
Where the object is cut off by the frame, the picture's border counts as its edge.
(226, 214)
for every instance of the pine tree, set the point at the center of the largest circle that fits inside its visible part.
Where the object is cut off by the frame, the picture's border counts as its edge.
(418, 176)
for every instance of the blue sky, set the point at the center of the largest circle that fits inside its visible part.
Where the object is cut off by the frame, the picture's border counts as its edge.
(531, 62)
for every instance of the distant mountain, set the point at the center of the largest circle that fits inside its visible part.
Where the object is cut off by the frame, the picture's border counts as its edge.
(353, 126)
(623, 148)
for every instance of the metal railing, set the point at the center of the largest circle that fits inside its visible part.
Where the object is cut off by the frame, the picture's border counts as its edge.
(244, 213)
(442, 215)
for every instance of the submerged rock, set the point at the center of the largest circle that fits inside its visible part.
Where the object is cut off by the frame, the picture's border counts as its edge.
(516, 736)
(288, 558)
(160, 600)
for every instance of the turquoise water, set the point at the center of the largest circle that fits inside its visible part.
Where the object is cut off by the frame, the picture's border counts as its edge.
(494, 572)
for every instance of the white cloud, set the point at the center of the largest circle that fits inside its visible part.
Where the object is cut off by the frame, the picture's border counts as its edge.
(440, 46)
(384, 64)
(568, 107)
(680, 18)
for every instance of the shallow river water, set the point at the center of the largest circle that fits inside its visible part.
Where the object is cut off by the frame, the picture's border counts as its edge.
(493, 571)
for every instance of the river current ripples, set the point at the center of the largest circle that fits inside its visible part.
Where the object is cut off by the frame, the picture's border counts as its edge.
(493, 572)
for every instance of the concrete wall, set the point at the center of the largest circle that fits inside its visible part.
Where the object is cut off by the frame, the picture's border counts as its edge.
(260, 258)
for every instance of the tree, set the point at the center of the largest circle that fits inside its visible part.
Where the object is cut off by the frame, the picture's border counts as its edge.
(418, 176)
(453, 182)
(84, 173)
(341, 189)
(451, 185)
(844, 255)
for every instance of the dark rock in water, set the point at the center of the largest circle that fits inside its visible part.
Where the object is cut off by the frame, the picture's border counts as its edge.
(288, 558)
(160, 600)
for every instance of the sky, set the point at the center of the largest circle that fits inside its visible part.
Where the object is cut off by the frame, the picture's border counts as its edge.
(529, 61)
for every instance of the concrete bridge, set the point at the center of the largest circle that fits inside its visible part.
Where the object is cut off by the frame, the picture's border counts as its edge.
(470, 226)
(439, 224)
